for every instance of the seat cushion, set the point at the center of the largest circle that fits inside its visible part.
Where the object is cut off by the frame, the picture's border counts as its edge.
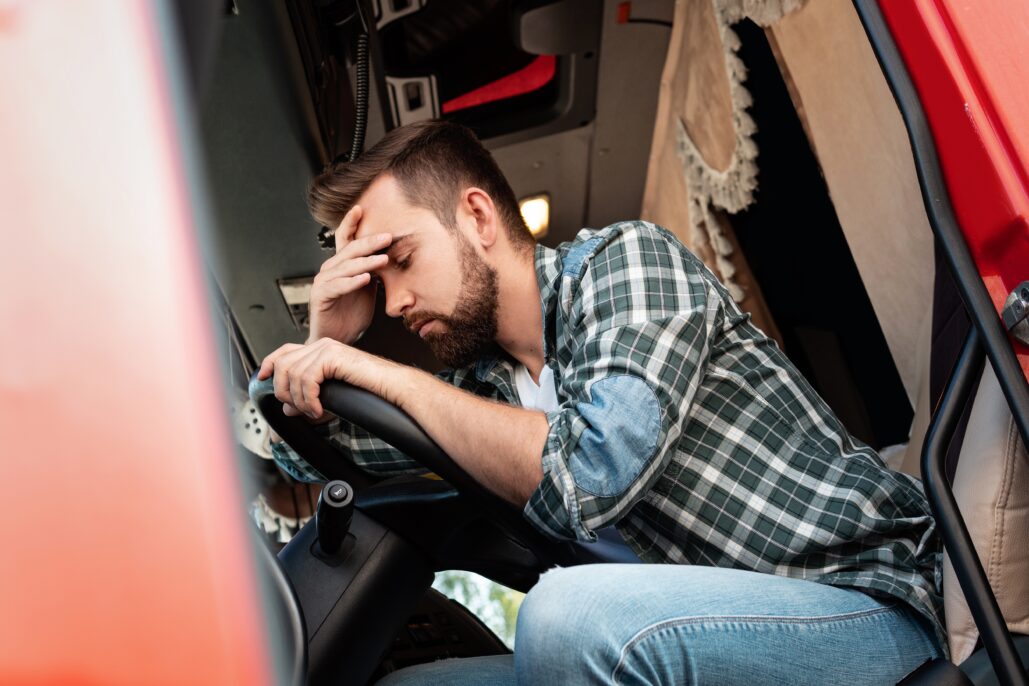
(992, 490)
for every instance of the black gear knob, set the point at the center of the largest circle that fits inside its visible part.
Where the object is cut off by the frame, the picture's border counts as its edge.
(332, 518)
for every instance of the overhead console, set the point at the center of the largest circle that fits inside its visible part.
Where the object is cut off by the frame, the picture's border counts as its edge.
(509, 69)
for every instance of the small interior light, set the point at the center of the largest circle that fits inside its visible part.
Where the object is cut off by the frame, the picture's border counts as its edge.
(536, 213)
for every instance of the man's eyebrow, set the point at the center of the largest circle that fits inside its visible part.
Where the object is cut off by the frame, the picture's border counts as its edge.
(397, 240)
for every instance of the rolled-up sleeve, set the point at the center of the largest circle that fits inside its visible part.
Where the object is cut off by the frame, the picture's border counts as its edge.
(637, 364)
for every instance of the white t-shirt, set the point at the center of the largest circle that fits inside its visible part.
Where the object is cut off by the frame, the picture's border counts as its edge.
(536, 397)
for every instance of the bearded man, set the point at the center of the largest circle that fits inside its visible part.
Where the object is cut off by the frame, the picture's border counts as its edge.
(613, 381)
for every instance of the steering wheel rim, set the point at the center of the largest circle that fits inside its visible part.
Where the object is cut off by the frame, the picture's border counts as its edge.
(397, 428)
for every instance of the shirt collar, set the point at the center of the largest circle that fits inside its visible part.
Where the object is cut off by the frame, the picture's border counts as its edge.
(548, 277)
(484, 367)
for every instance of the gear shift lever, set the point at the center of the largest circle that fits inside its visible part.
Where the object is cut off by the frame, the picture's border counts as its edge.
(332, 518)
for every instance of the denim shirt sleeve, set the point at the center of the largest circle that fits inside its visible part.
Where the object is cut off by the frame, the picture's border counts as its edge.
(368, 452)
(639, 324)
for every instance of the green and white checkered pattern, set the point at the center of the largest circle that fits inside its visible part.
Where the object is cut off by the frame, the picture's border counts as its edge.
(752, 469)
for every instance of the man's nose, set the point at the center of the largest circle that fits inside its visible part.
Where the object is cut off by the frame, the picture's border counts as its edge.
(398, 301)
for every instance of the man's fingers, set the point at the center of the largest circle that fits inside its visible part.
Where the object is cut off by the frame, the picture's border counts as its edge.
(299, 371)
(268, 363)
(310, 387)
(352, 267)
(281, 382)
(283, 368)
(306, 374)
(348, 227)
(304, 367)
(359, 265)
(329, 291)
(359, 247)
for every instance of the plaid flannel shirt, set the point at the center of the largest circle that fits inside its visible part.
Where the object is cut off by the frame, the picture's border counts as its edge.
(686, 427)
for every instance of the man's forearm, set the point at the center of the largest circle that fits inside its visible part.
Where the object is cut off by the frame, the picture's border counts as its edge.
(499, 445)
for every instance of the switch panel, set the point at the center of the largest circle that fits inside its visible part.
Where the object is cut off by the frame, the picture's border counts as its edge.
(296, 293)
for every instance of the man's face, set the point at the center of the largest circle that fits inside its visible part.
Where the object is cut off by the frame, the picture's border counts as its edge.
(435, 279)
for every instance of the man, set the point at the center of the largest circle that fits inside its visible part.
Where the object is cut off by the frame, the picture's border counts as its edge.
(613, 381)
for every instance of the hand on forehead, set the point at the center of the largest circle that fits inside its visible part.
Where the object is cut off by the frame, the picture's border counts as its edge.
(357, 233)
(367, 227)
(381, 205)
(385, 209)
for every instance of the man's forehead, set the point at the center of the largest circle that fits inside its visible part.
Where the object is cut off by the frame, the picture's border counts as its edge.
(401, 222)
(382, 205)
(396, 223)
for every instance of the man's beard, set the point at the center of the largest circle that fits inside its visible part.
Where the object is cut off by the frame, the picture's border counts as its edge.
(470, 332)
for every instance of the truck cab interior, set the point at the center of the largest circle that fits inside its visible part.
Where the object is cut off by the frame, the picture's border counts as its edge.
(765, 138)
(856, 173)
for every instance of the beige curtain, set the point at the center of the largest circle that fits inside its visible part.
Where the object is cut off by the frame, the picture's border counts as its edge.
(703, 161)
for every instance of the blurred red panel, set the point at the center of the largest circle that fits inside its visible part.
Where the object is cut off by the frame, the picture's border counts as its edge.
(125, 556)
(969, 60)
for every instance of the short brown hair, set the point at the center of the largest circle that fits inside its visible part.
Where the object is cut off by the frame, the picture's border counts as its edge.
(432, 161)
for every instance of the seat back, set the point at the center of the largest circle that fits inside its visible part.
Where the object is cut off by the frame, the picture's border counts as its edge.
(991, 485)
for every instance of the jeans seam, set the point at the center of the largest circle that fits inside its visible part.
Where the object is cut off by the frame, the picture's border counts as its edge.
(648, 631)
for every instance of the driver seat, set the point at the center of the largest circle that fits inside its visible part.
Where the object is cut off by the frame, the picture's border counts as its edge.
(991, 486)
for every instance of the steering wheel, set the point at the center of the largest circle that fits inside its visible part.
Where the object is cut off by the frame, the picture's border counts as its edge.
(397, 428)
(532, 549)
(394, 426)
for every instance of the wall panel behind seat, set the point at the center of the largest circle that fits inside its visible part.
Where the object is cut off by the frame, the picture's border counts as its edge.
(862, 147)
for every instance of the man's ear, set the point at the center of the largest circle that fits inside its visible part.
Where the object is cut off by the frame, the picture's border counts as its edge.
(478, 206)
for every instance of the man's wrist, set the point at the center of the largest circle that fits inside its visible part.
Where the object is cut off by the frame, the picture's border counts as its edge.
(345, 340)
(314, 335)
(402, 384)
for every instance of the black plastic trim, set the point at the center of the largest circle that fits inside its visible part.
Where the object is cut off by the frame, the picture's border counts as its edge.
(979, 669)
(938, 672)
(354, 604)
(378, 67)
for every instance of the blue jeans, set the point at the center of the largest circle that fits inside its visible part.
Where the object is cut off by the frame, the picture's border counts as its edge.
(680, 624)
